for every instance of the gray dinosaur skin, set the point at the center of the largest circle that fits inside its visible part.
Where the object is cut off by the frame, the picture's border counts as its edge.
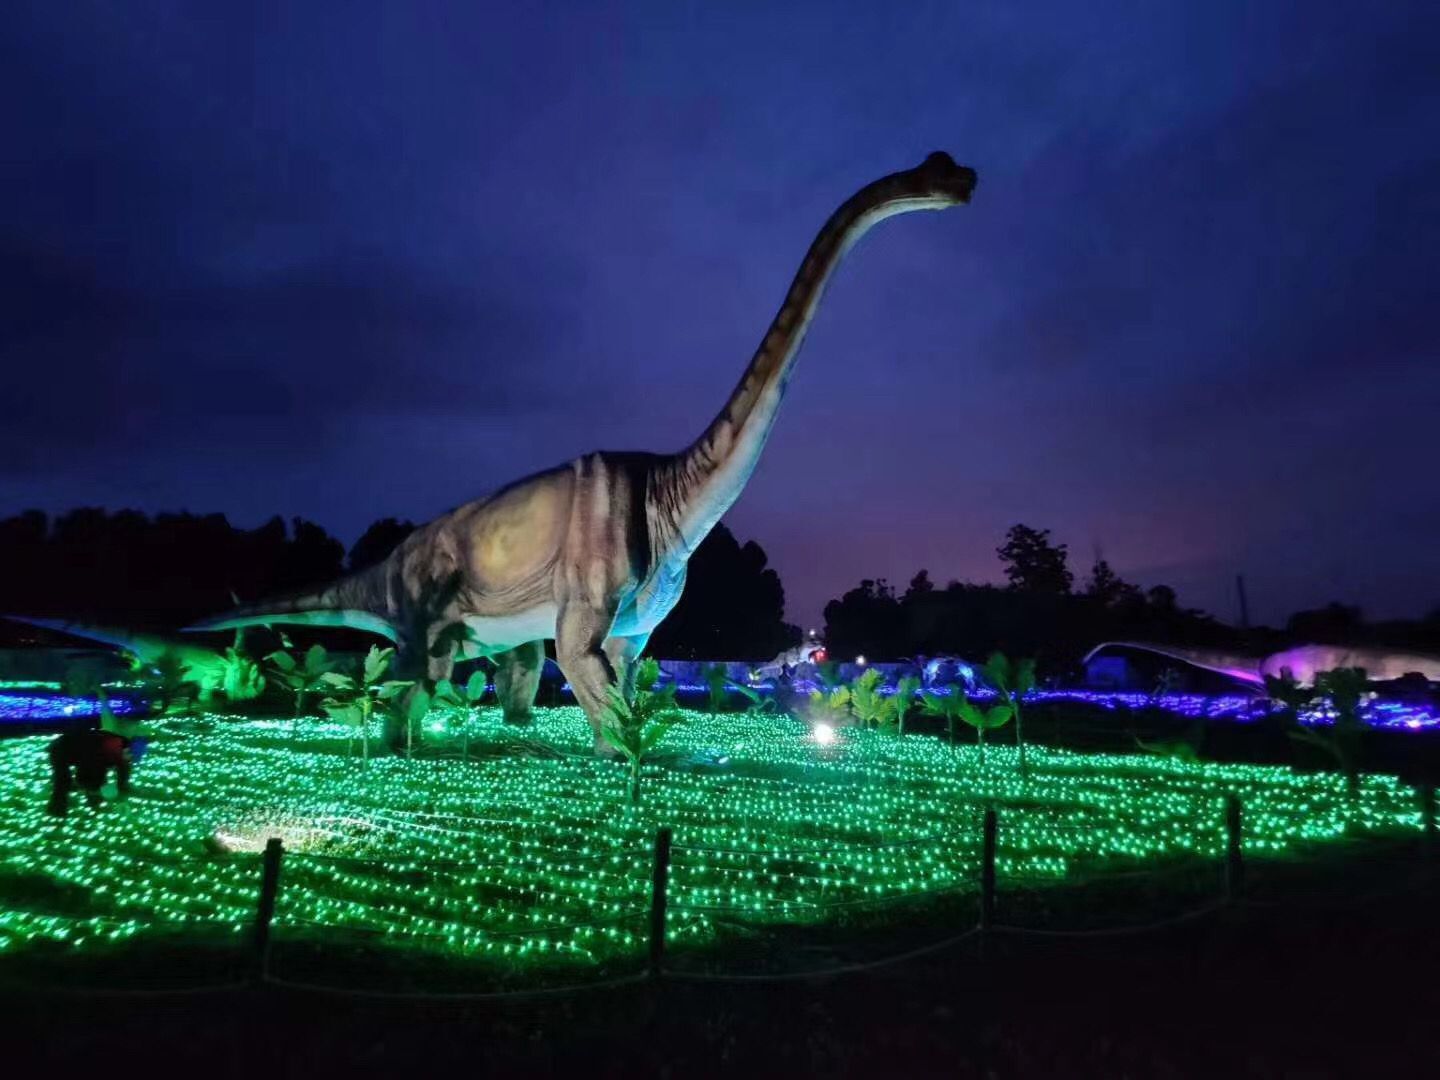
(593, 553)
(1302, 663)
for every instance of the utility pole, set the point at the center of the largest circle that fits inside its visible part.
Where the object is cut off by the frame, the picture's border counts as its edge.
(1244, 604)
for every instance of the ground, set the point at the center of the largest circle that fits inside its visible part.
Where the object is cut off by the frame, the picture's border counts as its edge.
(526, 852)
(505, 860)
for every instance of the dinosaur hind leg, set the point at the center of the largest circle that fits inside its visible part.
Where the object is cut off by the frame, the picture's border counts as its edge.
(517, 680)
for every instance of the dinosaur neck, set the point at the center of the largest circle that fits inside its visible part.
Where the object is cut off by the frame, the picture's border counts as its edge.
(695, 487)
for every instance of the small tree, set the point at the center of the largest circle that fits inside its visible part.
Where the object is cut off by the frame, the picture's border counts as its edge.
(234, 674)
(355, 701)
(757, 702)
(948, 707)
(1012, 681)
(830, 707)
(300, 677)
(904, 700)
(460, 705)
(635, 727)
(1105, 586)
(871, 708)
(1292, 698)
(1168, 682)
(983, 720)
(717, 687)
(1033, 564)
(1345, 689)
(164, 680)
(827, 674)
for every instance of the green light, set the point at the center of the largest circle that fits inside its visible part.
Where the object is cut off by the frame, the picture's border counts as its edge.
(522, 857)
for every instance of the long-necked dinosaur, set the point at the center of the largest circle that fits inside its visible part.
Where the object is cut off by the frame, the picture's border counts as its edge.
(1301, 663)
(593, 553)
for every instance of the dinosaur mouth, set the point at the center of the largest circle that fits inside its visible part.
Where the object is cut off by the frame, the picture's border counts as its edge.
(948, 179)
(964, 183)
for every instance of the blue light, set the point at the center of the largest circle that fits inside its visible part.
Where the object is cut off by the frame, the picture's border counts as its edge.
(31, 708)
(22, 707)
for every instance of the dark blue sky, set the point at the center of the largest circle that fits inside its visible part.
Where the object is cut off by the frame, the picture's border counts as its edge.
(347, 261)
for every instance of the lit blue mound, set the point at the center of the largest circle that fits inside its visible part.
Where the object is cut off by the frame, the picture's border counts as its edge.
(1390, 715)
(35, 705)
(29, 706)
(1239, 708)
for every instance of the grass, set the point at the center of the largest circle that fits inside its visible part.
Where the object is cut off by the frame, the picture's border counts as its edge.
(527, 857)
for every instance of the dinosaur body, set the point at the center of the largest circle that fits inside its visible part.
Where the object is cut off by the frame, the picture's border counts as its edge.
(1302, 663)
(593, 553)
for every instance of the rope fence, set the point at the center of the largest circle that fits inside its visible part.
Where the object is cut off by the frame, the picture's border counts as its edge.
(669, 913)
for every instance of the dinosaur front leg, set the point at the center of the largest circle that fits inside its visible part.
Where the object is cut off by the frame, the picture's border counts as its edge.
(517, 680)
(580, 634)
(623, 652)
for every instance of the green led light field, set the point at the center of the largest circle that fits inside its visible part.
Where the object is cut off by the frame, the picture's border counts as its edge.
(531, 849)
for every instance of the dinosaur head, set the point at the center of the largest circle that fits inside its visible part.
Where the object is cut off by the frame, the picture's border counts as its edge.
(939, 178)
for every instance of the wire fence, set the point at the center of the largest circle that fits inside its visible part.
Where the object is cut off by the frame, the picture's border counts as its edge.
(651, 923)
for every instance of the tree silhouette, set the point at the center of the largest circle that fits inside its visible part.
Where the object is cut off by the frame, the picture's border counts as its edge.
(1109, 589)
(1036, 616)
(128, 568)
(732, 607)
(1033, 564)
(866, 621)
(920, 585)
(377, 542)
(312, 557)
(1334, 624)
(1162, 600)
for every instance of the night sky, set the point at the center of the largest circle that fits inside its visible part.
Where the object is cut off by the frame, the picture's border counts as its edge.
(345, 261)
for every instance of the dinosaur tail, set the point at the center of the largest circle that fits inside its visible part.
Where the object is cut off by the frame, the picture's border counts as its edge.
(353, 602)
(145, 646)
(1244, 668)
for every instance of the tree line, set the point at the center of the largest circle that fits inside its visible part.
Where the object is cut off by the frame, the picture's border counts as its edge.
(1041, 612)
(161, 572)
(165, 570)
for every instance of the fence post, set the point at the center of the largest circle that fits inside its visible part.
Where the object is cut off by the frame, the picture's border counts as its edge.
(269, 887)
(1427, 816)
(987, 870)
(659, 886)
(1234, 863)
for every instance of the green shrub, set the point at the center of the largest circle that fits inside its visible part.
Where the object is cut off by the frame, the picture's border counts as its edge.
(635, 727)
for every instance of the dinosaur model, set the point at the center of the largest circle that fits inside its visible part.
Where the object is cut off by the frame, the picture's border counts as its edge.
(593, 553)
(1301, 663)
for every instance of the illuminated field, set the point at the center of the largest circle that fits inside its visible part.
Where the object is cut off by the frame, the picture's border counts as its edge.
(531, 849)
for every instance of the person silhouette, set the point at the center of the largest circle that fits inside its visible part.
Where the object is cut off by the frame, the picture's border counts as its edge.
(83, 759)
